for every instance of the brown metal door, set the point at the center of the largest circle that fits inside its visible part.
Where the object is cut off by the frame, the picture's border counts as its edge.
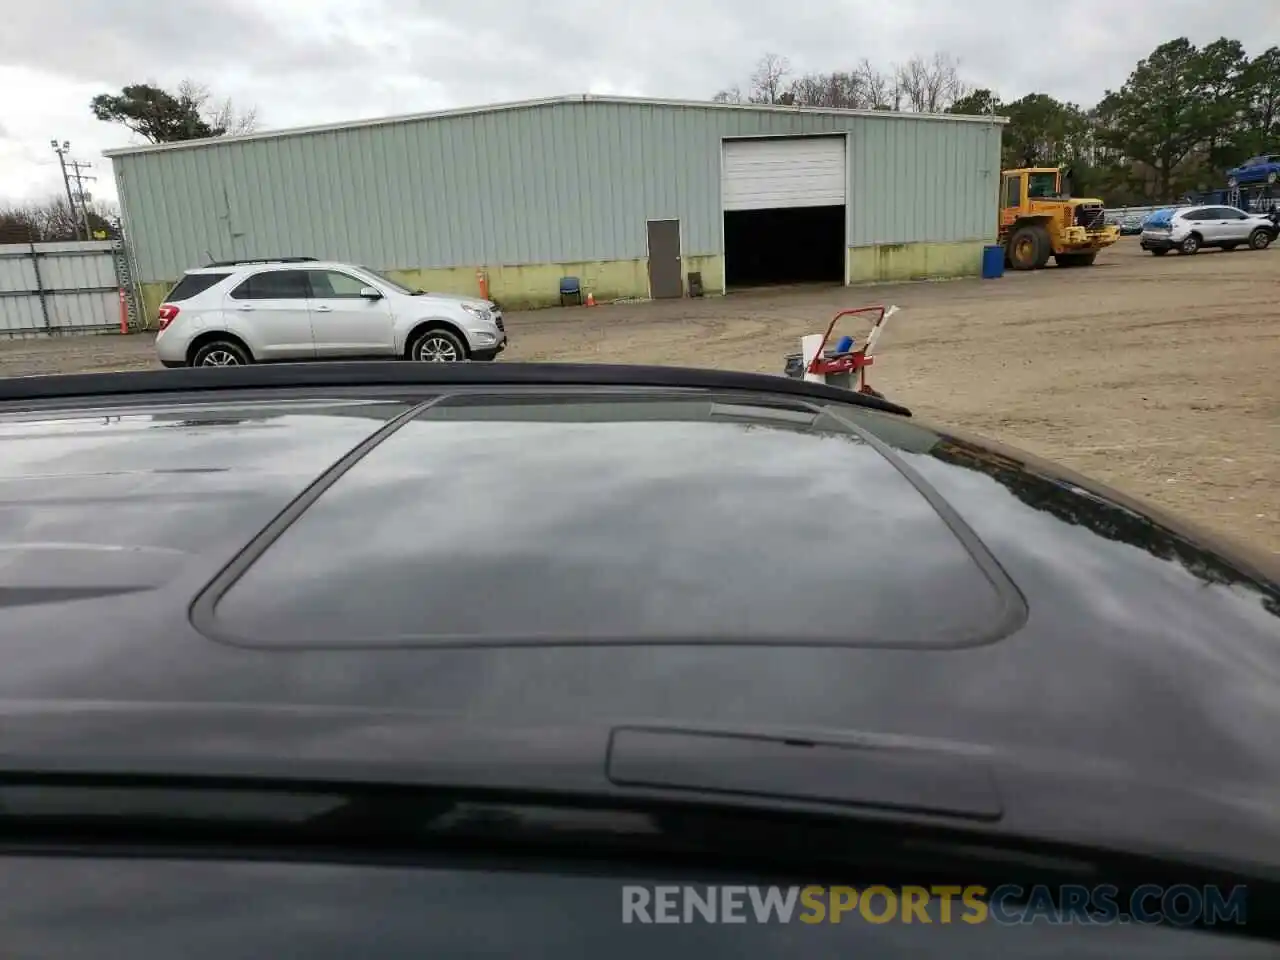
(665, 281)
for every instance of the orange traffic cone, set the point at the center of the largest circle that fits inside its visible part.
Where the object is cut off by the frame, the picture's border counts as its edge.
(591, 299)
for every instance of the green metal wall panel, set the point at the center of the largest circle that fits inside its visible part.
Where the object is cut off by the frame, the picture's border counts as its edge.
(557, 182)
(931, 180)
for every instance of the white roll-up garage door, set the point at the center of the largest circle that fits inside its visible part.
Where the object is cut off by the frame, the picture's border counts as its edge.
(783, 172)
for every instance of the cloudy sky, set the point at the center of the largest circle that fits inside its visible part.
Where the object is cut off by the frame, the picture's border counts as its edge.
(319, 61)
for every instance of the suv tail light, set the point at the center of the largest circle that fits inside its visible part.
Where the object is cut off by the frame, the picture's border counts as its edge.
(166, 313)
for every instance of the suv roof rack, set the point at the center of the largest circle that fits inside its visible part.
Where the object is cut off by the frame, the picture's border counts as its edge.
(236, 263)
(383, 374)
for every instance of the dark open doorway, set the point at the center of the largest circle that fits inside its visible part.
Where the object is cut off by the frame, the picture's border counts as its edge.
(792, 245)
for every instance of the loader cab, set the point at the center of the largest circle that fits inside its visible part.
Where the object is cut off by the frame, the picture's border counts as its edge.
(1031, 192)
(1020, 188)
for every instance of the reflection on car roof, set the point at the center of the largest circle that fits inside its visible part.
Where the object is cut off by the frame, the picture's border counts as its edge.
(668, 521)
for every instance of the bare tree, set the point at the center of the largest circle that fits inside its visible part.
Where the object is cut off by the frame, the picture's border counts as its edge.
(221, 116)
(768, 82)
(18, 225)
(879, 90)
(930, 86)
(225, 116)
(58, 221)
(924, 85)
(839, 90)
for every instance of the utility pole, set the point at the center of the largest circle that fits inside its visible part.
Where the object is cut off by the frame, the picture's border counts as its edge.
(62, 150)
(80, 178)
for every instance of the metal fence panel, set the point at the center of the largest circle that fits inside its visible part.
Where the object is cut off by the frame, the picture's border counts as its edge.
(1251, 204)
(16, 274)
(21, 314)
(85, 312)
(1117, 214)
(60, 288)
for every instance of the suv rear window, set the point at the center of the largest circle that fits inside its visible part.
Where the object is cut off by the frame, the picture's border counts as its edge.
(586, 523)
(192, 284)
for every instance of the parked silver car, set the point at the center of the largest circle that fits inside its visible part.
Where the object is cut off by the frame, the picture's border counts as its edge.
(1189, 229)
(240, 312)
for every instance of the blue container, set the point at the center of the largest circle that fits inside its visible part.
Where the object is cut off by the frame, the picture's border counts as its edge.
(992, 262)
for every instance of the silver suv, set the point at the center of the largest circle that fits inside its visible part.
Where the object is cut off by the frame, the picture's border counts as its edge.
(1188, 230)
(252, 311)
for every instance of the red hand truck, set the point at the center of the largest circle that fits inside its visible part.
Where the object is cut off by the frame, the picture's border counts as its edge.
(850, 368)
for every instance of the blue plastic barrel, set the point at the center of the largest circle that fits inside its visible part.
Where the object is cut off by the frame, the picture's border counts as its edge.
(992, 261)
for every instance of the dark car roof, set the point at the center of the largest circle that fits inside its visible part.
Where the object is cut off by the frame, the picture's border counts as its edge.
(562, 578)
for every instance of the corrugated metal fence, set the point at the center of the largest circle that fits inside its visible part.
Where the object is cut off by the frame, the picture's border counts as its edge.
(63, 288)
(1122, 215)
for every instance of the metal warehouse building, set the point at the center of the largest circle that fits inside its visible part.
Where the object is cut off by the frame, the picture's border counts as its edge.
(631, 196)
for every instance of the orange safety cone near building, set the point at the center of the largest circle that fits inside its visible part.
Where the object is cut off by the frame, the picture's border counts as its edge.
(591, 299)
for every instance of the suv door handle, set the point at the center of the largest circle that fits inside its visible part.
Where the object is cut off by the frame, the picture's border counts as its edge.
(323, 308)
(246, 306)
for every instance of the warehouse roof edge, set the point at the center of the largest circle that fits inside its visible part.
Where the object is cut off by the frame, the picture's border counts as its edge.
(577, 98)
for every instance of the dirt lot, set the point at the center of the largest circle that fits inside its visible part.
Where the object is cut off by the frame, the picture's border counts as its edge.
(1161, 377)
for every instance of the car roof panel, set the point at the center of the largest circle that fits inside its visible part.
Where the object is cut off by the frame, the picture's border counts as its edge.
(1147, 652)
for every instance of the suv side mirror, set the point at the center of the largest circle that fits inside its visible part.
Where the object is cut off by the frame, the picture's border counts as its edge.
(370, 293)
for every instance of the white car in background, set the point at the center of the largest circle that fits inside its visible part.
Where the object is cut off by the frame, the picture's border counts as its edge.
(300, 308)
(1189, 229)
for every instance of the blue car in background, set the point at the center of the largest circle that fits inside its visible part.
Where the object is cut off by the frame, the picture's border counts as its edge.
(1264, 169)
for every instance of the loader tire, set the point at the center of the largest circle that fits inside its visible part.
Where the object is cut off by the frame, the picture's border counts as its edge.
(1028, 248)
(1046, 248)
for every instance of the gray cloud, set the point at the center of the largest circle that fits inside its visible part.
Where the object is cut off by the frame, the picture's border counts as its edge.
(130, 40)
(317, 61)
(693, 48)
(475, 50)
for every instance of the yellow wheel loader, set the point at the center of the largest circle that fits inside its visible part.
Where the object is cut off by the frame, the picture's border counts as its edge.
(1040, 219)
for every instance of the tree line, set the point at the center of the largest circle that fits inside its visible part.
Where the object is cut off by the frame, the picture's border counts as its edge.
(54, 221)
(1184, 116)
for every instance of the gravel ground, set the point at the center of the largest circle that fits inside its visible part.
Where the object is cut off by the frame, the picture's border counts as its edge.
(1159, 376)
